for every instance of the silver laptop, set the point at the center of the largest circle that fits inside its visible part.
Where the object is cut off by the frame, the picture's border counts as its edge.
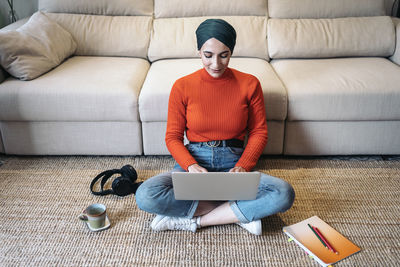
(215, 185)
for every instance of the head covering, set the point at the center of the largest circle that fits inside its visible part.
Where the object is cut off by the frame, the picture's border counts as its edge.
(218, 29)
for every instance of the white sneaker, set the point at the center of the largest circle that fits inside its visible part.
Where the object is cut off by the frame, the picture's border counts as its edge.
(253, 227)
(162, 223)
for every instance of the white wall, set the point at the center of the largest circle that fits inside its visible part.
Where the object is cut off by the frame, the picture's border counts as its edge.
(23, 8)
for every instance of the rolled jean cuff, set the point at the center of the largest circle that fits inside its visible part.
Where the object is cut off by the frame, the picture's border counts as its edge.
(238, 213)
(192, 209)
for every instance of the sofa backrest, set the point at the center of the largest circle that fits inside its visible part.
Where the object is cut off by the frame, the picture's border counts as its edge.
(175, 24)
(324, 38)
(99, 7)
(338, 28)
(176, 9)
(104, 28)
(315, 9)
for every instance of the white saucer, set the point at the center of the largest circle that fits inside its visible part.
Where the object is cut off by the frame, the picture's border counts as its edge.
(107, 224)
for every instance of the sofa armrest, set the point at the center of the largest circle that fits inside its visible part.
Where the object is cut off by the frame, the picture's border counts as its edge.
(396, 56)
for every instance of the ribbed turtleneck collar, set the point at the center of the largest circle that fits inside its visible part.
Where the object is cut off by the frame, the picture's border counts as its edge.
(207, 77)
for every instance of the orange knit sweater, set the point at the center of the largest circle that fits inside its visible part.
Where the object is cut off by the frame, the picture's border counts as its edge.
(222, 108)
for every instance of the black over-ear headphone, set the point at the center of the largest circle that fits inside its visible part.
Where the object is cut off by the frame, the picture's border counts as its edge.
(121, 186)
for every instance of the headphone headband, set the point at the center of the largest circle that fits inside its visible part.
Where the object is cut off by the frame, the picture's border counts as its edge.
(127, 172)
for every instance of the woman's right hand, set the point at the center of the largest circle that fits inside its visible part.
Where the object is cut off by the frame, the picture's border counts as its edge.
(196, 168)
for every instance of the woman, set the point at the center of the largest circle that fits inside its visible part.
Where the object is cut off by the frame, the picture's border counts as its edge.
(216, 106)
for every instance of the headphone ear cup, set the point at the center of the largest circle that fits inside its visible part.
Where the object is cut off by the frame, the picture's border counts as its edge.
(129, 171)
(122, 186)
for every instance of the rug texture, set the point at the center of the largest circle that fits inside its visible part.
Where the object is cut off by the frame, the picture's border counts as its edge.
(41, 197)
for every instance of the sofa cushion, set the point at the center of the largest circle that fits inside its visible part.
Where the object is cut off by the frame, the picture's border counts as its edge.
(176, 38)
(49, 44)
(342, 138)
(80, 89)
(295, 9)
(99, 7)
(72, 137)
(153, 100)
(176, 8)
(352, 89)
(107, 35)
(154, 138)
(321, 38)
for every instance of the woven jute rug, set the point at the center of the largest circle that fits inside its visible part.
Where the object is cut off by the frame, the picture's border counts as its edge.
(41, 197)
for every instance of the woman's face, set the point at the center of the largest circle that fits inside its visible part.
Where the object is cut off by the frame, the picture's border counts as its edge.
(215, 57)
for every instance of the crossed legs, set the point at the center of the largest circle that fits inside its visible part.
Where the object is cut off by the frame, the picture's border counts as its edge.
(156, 195)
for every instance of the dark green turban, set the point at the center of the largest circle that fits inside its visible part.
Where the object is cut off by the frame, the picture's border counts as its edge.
(218, 29)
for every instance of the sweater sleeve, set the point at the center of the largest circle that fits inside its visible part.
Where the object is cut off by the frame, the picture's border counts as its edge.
(257, 130)
(176, 126)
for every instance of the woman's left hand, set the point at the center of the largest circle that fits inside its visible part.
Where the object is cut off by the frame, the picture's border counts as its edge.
(237, 169)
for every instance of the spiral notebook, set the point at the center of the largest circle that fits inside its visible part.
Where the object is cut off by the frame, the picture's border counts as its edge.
(313, 243)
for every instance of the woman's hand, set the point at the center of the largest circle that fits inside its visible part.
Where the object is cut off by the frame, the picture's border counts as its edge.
(237, 169)
(196, 168)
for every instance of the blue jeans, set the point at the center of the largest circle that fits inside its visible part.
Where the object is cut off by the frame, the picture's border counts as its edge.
(156, 194)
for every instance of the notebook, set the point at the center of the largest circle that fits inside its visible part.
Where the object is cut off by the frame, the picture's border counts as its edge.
(308, 240)
(215, 185)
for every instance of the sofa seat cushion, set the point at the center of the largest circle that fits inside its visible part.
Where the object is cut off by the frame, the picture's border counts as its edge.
(80, 89)
(154, 138)
(340, 89)
(72, 137)
(342, 138)
(153, 100)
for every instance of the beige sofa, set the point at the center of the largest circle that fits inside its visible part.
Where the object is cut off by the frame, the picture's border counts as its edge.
(330, 76)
